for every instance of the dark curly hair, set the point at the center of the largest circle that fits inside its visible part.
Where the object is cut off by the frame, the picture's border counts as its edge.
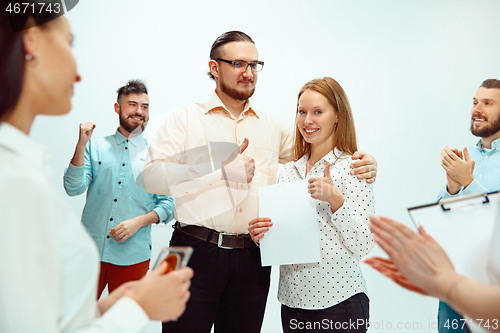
(132, 87)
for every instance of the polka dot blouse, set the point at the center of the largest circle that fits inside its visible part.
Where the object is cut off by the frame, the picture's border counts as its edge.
(344, 239)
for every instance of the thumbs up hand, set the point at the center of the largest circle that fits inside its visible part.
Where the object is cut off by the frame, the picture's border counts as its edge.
(244, 145)
(323, 189)
(242, 168)
(327, 172)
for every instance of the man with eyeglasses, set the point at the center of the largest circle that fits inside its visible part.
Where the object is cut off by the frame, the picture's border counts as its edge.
(213, 157)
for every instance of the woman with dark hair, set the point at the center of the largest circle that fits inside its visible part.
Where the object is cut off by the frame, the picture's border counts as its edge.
(49, 264)
(329, 296)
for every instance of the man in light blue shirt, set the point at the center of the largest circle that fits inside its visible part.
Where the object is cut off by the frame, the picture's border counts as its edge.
(118, 213)
(475, 170)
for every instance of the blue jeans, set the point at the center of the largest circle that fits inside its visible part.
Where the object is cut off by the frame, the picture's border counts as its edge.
(449, 321)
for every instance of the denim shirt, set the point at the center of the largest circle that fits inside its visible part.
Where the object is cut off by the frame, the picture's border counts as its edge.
(111, 171)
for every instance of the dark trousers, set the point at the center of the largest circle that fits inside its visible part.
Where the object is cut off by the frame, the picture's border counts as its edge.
(229, 289)
(349, 316)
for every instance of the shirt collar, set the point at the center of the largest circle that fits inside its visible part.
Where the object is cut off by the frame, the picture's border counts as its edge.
(494, 146)
(333, 156)
(17, 141)
(301, 163)
(135, 141)
(215, 104)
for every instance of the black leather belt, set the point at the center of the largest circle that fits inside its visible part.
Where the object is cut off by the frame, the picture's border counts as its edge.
(221, 239)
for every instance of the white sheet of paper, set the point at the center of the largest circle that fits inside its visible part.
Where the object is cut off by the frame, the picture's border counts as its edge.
(293, 238)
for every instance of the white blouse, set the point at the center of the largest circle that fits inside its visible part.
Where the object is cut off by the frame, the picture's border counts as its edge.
(49, 265)
(344, 238)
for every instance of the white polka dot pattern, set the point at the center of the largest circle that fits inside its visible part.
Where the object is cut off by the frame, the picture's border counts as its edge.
(344, 238)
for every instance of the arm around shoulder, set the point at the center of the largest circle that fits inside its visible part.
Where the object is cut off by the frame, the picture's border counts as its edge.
(364, 166)
(286, 143)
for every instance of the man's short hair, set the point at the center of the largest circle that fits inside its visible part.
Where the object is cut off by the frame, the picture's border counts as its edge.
(227, 37)
(491, 84)
(132, 87)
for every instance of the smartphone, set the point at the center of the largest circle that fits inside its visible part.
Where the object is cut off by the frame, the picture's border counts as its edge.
(175, 256)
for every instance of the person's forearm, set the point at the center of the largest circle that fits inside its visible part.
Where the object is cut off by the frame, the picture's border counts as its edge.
(466, 180)
(148, 218)
(78, 156)
(478, 301)
(453, 190)
(173, 179)
(336, 202)
(105, 303)
(350, 220)
(77, 176)
(475, 187)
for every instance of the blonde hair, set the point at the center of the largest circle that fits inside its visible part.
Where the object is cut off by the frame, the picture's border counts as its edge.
(344, 136)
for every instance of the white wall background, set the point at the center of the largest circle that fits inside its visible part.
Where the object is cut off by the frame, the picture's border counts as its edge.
(410, 69)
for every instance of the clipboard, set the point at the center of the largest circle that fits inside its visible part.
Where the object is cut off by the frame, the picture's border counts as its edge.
(468, 229)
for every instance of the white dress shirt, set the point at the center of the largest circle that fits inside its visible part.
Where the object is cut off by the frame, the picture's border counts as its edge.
(49, 265)
(184, 161)
(344, 239)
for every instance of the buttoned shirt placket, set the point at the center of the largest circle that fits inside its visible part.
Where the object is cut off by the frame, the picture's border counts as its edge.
(118, 194)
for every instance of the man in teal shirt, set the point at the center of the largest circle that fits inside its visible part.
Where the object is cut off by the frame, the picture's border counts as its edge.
(475, 170)
(118, 213)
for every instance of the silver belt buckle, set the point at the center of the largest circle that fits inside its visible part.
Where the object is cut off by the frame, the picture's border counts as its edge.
(219, 242)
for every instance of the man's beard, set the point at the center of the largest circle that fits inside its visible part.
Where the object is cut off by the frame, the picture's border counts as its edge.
(133, 127)
(487, 131)
(235, 94)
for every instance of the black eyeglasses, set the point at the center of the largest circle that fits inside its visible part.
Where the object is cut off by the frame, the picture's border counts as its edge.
(241, 65)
